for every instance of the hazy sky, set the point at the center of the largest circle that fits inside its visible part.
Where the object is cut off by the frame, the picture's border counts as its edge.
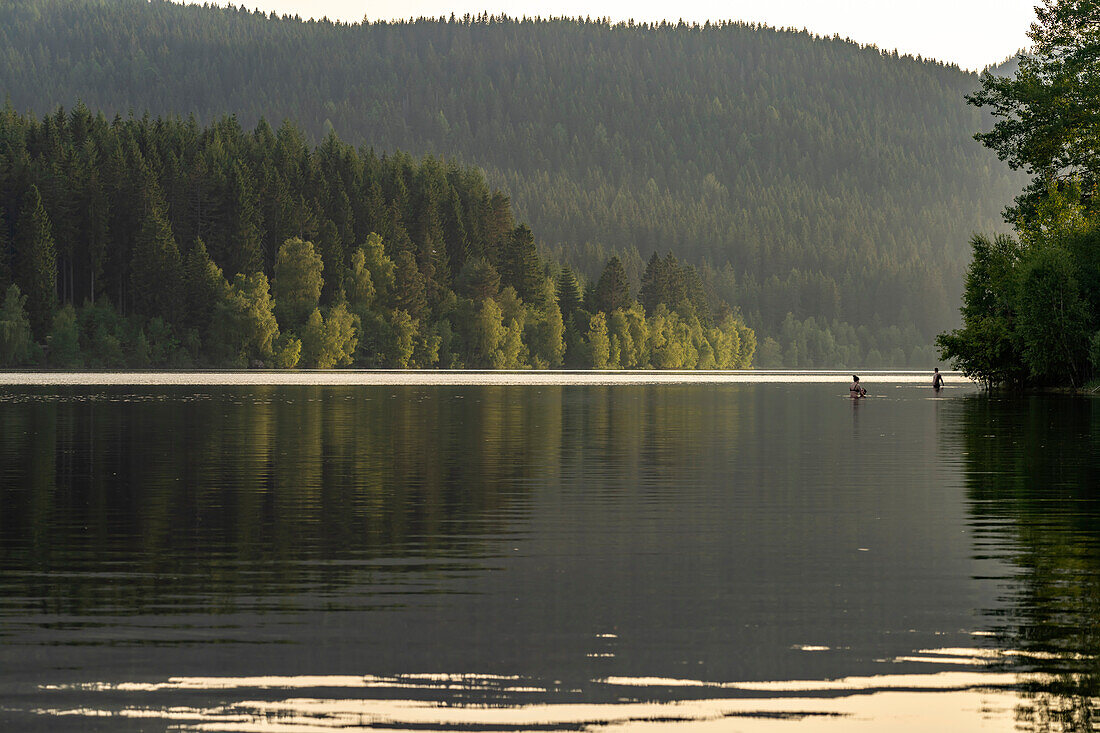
(971, 33)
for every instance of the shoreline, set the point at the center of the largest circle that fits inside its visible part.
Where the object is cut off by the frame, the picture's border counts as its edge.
(457, 377)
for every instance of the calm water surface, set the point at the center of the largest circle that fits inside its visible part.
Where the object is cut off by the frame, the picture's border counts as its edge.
(736, 557)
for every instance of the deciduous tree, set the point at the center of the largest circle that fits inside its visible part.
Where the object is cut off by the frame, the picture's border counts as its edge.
(298, 282)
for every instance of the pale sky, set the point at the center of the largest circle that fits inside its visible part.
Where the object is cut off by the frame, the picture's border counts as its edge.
(970, 33)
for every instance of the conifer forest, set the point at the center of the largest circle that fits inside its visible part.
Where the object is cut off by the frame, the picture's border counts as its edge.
(157, 242)
(221, 186)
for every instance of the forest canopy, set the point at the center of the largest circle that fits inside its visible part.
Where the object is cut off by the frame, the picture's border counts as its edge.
(826, 188)
(161, 242)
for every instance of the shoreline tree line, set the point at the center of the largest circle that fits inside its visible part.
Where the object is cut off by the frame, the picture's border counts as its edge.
(1031, 305)
(158, 242)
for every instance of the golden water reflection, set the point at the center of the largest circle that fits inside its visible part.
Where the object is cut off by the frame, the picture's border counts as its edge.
(964, 700)
(984, 697)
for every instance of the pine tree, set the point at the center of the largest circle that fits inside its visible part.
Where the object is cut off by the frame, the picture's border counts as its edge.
(696, 295)
(570, 299)
(93, 234)
(242, 222)
(478, 279)
(520, 266)
(409, 287)
(205, 287)
(36, 263)
(156, 272)
(5, 254)
(373, 217)
(330, 248)
(613, 289)
(454, 233)
(499, 223)
(650, 294)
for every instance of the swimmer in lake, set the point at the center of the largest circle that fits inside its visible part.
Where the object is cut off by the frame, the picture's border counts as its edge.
(856, 390)
(937, 379)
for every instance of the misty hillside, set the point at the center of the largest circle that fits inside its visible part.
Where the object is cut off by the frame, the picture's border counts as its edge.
(1008, 67)
(811, 177)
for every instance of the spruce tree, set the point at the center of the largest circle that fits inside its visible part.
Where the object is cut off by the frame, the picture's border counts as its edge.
(478, 280)
(36, 263)
(570, 298)
(409, 287)
(205, 287)
(331, 248)
(93, 233)
(5, 253)
(520, 267)
(454, 233)
(696, 294)
(499, 222)
(156, 272)
(242, 222)
(613, 289)
(652, 292)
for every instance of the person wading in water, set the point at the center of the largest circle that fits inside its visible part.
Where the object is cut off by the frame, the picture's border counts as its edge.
(855, 390)
(937, 380)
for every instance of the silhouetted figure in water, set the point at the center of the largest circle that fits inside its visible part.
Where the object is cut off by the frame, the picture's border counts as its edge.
(855, 390)
(937, 380)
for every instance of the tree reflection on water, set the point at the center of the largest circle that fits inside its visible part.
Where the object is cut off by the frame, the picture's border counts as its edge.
(1031, 473)
(257, 497)
(247, 492)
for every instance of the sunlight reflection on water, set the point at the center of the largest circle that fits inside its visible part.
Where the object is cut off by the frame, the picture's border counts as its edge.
(975, 699)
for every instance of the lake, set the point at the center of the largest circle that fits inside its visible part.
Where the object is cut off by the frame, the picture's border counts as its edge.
(648, 553)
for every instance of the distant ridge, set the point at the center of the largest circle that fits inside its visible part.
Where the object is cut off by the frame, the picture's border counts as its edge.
(1008, 67)
(811, 177)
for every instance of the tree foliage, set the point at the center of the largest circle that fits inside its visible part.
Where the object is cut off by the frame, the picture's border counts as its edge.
(1031, 307)
(298, 281)
(612, 291)
(36, 261)
(156, 267)
(330, 341)
(16, 339)
(1048, 112)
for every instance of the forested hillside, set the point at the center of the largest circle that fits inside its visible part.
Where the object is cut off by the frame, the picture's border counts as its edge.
(157, 242)
(825, 189)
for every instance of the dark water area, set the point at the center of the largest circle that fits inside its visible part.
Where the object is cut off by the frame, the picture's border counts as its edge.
(698, 556)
